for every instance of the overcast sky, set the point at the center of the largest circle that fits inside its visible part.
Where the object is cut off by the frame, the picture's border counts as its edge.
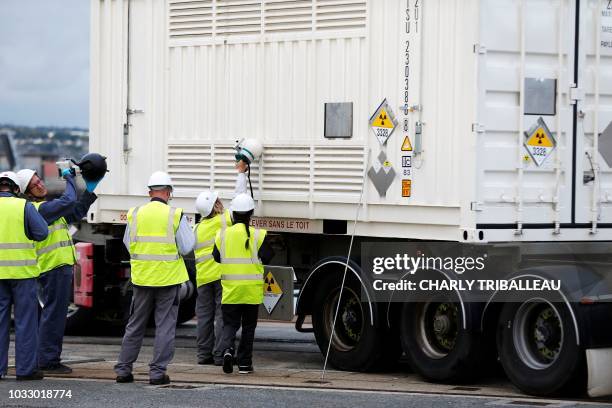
(44, 62)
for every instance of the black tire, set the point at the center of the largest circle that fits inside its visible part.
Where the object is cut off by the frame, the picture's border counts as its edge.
(551, 365)
(357, 345)
(449, 353)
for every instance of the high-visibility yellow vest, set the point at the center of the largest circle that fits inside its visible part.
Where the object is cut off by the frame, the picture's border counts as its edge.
(241, 268)
(154, 255)
(205, 232)
(58, 248)
(18, 258)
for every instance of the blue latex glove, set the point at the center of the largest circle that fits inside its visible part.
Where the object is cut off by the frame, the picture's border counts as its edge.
(67, 172)
(91, 185)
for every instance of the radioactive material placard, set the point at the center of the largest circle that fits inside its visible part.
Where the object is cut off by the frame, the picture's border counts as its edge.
(406, 146)
(272, 292)
(539, 142)
(383, 122)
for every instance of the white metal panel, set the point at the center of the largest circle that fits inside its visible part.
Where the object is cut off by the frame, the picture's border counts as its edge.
(594, 199)
(199, 92)
(524, 39)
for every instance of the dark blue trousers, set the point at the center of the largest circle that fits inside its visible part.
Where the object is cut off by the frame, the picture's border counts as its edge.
(56, 287)
(22, 294)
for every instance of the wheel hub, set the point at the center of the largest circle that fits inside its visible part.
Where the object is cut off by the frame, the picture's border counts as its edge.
(538, 334)
(441, 325)
(349, 324)
(438, 328)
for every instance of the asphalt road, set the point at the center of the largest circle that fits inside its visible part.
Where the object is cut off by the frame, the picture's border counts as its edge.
(109, 394)
(288, 372)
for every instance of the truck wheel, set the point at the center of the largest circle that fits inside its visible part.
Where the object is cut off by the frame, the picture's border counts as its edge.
(437, 345)
(356, 345)
(536, 341)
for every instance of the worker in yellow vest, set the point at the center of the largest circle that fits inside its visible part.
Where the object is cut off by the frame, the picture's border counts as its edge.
(208, 275)
(21, 227)
(241, 251)
(156, 236)
(56, 259)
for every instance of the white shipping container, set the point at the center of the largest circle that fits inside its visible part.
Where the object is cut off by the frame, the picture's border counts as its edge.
(176, 82)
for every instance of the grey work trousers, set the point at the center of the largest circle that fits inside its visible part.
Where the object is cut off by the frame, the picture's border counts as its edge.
(164, 302)
(210, 321)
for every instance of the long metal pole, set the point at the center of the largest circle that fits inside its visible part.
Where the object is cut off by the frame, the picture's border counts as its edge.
(348, 257)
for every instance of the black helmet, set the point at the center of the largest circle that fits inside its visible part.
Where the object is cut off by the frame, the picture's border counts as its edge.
(93, 166)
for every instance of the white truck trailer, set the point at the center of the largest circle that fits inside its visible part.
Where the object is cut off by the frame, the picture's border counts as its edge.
(469, 121)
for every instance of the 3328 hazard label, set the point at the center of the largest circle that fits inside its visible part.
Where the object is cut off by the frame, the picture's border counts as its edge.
(539, 142)
(383, 122)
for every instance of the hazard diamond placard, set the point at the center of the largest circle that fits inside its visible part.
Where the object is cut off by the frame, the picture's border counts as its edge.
(272, 292)
(383, 122)
(539, 142)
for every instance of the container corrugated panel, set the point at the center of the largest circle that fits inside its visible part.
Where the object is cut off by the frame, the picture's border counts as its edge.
(206, 73)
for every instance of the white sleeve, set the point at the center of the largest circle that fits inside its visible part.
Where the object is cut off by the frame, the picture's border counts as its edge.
(241, 184)
(185, 239)
(126, 237)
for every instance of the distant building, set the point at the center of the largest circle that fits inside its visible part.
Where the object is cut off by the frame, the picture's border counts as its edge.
(6, 137)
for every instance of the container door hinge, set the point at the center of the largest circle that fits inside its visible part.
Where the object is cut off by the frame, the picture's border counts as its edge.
(480, 49)
(576, 94)
(478, 128)
(476, 206)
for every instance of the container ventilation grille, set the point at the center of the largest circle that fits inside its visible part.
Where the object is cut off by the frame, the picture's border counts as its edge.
(338, 170)
(191, 19)
(238, 17)
(286, 171)
(287, 16)
(340, 14)
(189, 165)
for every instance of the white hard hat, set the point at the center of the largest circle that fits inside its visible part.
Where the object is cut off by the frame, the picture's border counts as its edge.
(242, 203)
(160, 179)
(251, 149)
(25, 176)
(206, 201)
(10, 176)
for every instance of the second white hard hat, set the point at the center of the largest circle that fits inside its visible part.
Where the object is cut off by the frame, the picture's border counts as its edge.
(160, 179)
(251, 149)
(9, 175)
(242, 203)
(206, 201)
(25, 176)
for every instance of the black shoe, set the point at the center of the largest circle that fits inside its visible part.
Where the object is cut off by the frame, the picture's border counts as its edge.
(58, 368)
(206, 361)
(218, 363)
(160, 381)
(36, 375)
(125, 378)
(245, 369)
(228, 362)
